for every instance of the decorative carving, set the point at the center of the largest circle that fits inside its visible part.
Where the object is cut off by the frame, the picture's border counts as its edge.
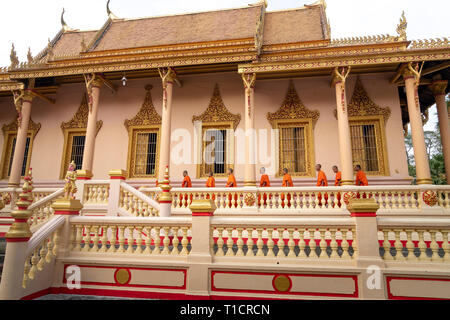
(362, 105)
(430, 198)
(348, 195)
(83, 44)
(14, 126)
(217, 112)
(293, 108)
(249, 84)
(91, 80)
(401, 28)
(429, 43)
(13, 57)
(167, 75)
(249, 199)
(80, 118)
(340, 75)
(438, 87)
(50, 53)
(64, 25)
(147, 115)
(6, 198)
(381, 38)
(259, 33)
(71, 176)
(109, 12)
(29, 56)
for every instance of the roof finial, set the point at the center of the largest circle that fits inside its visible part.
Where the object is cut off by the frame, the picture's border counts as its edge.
(29, 56)
(109, 12)
(64, 25)
(13, 57)
(401, 28)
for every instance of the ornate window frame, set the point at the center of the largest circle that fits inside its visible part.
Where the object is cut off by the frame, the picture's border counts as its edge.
(9, 132)
(216, 116)
(293, 113)
(362, 110)
(146, 120)
(76, 126)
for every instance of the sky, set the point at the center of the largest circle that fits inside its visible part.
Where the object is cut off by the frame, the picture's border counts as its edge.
(29, 23)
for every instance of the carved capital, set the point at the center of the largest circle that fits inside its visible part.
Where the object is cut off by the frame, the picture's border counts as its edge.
(21, 96)
(249, 80)
(92, 80)
(340, 75)
(412, 70)
(167, 75)
(438, 87)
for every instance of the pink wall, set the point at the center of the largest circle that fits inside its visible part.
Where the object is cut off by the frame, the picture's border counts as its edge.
(192, 99)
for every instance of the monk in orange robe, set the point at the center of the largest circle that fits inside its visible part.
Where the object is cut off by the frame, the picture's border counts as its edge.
(211, 183)
(263, 183)
(287, 182)
(321, 182)
(186, 184)
(337, 183)
(361, 179)
(231, 183)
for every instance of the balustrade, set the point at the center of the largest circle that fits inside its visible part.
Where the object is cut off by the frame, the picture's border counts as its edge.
(96, 192)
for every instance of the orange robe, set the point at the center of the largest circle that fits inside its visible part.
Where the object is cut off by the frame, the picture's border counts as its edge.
(264, 182)
(361, 179)
(338, 178)
(231, 183)
(186, 184)
(287, 182)
(211, 183)
(337, 183)
(321, 182)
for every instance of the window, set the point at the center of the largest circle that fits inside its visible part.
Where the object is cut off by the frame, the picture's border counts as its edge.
(144, 153)
(10, 148)
(217, 145)
(74, 140)
(367, 146)
(295, 154)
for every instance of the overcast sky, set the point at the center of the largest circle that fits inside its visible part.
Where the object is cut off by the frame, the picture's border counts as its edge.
(29, 23)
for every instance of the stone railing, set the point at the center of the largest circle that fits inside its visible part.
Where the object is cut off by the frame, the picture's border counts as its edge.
(392, 199)
(133, 202)
(414, 240)
(42, 249)
(96, 192)
(298, 238)
(41, 210)
(129, 235)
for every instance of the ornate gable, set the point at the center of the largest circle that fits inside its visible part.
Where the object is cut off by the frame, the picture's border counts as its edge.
(293, 108)
(362, 105)
(217, 112)
(80, 118)
(147, 115)
(14, 126)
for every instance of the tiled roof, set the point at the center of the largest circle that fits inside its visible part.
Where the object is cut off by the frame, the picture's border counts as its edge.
(179, 29)
(290, 26)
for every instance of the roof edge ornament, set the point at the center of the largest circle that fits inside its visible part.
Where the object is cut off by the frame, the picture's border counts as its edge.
(64, 25)
(401, 28)
(111, 15)
(13, 57)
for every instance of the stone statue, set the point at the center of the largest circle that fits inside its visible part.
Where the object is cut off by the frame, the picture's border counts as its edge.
(71, 176)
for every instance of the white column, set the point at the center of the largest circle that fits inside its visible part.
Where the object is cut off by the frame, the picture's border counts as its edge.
(250, 166)
(345, 144)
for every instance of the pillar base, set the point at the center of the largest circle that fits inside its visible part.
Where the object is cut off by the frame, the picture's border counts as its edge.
(67, 206)
(424, 181)
(84, 175)
(118, 174)
(13, 185)
(347, 182)
(249, 183)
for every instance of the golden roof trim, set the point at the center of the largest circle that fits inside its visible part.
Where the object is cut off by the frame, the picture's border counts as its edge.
(217, 111)
(80, 118)
(147, 114)
(293, 108)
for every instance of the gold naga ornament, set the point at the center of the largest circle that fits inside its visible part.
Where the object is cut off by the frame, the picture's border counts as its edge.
(71, 176)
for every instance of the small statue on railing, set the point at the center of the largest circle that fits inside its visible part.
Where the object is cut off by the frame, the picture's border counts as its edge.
(71, 176)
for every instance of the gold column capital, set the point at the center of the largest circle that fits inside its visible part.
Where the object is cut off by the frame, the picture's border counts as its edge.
(168, 75)
(438, 87)
(249, 80)
(340, 75)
